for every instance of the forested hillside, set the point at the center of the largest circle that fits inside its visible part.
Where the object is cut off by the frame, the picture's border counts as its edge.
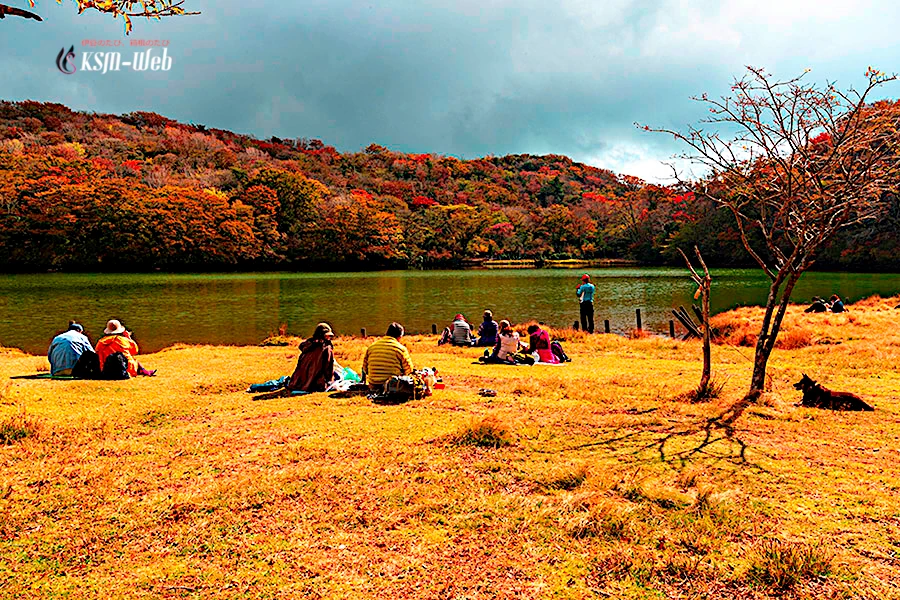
(139, 191)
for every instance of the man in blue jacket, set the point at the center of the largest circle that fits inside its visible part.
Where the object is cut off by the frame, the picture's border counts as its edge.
(585, 293)
(67, 348)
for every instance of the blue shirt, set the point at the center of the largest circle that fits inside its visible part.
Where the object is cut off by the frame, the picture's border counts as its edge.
(588, 290)
(66, 348)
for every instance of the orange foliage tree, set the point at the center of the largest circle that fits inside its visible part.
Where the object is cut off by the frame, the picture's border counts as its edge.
(127, 9)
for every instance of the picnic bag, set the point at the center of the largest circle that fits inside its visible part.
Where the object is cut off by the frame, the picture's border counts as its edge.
(405, 387)
(88, 366)
(116, 366)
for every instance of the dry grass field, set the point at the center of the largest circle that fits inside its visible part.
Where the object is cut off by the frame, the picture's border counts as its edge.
(589, 480)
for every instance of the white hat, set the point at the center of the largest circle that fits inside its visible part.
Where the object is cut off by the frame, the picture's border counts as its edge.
(113, 327)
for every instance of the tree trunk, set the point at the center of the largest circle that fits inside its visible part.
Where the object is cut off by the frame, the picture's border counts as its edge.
(769, 331)
(707, 357)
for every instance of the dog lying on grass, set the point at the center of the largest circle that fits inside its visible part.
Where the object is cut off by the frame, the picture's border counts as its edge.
(816, 396)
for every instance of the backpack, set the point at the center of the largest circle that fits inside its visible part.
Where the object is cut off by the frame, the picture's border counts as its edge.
(401, 388)
(87, 367)
(116, 366)
(521, 358)
(557, 349)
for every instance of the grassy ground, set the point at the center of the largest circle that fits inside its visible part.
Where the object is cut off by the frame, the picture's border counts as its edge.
(586, 480)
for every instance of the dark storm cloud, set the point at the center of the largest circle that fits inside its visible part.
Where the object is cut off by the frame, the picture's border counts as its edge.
(466, 78)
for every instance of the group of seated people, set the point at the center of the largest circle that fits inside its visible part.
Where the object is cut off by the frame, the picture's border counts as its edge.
(505, 341)
(113, 357)
(315, 370)
(71, 354)
(387, 356)
(459, 333)
(819, 305)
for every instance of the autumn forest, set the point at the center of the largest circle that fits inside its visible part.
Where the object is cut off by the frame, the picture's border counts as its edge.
(138, 192)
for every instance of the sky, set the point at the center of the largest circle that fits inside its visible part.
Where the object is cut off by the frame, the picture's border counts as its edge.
(465, 78)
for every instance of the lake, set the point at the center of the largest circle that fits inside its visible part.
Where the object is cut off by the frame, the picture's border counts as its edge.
(244, 308)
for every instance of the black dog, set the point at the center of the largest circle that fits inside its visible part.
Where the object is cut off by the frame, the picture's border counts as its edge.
(816, 396)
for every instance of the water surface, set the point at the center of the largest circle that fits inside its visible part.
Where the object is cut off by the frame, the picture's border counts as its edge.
(244, 308)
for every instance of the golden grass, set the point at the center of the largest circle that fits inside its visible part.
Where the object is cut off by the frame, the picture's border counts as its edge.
(180, 486)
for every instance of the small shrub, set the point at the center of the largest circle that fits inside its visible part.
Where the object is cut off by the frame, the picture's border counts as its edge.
(567, 479)
(794, 339)
(712, 389)
(733, 329)
(638, 334)
(783, 564)
(603, 518)
(489, 432)
(15, 428)
(281, 340)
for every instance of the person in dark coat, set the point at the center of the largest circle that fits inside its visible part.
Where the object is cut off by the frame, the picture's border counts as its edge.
(818, 306)
(835, 304)
(315, 367)
(488, 330)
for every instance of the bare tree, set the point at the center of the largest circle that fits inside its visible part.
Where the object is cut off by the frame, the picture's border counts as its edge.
(704, 285)
(127, 9)
(795, 163)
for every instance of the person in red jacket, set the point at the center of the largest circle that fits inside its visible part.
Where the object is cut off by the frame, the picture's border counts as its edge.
(118, 339)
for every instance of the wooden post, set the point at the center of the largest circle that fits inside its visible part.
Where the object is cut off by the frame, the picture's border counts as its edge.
(434, 328)
(671, 328)
(637, 314)
(363, 332)
(575, 325)
(606, 325)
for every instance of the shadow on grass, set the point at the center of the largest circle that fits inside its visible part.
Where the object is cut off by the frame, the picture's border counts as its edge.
(714, 431)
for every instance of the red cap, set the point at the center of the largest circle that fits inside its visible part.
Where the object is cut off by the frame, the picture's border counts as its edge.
(585, 277)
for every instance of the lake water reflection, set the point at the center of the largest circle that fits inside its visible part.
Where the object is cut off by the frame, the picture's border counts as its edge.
(243, 308)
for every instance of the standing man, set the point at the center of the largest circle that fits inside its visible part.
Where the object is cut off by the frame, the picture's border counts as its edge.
(585, 293)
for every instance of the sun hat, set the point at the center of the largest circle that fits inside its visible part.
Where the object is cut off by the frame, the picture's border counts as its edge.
(113, 327)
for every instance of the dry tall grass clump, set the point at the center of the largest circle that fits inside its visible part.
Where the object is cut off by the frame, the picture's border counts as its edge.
(638, 334)
(783, 565)
(488, 432)
(14, 428)
(794, 339)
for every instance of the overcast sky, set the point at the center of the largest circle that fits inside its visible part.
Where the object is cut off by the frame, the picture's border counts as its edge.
(466, 78)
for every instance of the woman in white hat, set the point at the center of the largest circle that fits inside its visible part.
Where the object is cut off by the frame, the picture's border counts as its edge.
(117, 339)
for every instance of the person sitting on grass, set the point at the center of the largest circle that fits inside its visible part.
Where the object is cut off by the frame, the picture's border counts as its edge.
(539, 341)
(315, 366)
(508, 344)
(67, 348)
(458, 334)
(385, 358)
(835, 304)
(818, 306)
(117, 339)
(487, 331)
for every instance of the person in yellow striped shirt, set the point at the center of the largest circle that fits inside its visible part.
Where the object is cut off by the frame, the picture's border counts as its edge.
(385, 358)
